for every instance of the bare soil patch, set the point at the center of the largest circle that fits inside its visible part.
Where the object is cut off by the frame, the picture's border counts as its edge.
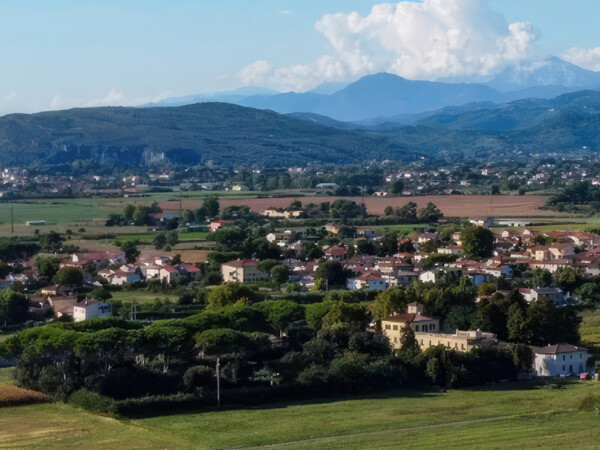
(451, 205)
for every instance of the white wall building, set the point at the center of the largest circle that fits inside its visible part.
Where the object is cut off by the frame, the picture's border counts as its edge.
(560, 360)
(88, 309)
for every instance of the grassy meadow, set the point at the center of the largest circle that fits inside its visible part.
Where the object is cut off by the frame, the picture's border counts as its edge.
(517, 415)
(141, 296)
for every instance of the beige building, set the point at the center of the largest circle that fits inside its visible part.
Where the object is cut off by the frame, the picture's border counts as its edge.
(242, 271)
(462, 341)
(393, 325)
(427, 332)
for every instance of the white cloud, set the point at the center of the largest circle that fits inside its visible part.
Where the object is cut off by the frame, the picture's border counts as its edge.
(10, 97)
(588, 58)
(418, 40)
(114, 97)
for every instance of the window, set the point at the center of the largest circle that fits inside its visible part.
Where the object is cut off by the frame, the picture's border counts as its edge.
(395, 339)
(416, 327)
(433, 326)
(563, 368)
(564, 357)
(421, 341)
(570, 356)
(387, 327)
(462, 346)
(395, 327)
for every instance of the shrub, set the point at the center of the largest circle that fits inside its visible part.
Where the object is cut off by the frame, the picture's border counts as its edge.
(589, 403)
(92, 401)
(198, 376)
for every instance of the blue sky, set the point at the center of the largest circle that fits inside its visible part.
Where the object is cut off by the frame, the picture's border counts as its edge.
(81, 53)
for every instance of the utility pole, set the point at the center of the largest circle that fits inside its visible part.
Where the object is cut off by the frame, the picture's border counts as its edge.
(218, 383)
(12, 222)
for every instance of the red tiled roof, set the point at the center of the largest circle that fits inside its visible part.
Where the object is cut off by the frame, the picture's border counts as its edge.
(336, 251)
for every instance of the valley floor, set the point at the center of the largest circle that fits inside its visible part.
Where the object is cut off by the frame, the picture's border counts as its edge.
(519, 415)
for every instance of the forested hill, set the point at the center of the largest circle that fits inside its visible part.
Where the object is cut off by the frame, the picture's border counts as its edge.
(221, 132)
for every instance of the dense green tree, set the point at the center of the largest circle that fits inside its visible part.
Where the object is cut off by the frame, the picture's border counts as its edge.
(541, 278)
(211, 207)
(131, 250)
(13, 307)
(69, 276)
(568, 279)
(408, 211)
(430, 214)
(396, 187)
(390, 301)
(129, 211)
(47, 266)
(279, 274)
(51, 241)
(281, 313)
(477, 242)
(172, 238)
(333, 272)
(228, 294)
(346, 209)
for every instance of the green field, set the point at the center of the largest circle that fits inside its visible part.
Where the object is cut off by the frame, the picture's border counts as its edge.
(141, 296)
(519, 416)
(408, 228)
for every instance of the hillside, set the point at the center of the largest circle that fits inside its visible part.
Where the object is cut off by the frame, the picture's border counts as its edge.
(190, 134)
(517, 115)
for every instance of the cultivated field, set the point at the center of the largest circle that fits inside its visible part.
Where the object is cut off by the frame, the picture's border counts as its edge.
(510, 416)
(589, 329)
(451, 205)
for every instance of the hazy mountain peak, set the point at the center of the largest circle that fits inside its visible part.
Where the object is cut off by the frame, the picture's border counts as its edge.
(550, 71)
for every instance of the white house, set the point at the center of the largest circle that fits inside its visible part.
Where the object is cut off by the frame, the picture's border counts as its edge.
(89, 309)
(369, 281)
(560, 360)
(532, 295)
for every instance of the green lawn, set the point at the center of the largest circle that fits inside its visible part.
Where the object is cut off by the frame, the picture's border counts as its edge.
(519, 416)
(141, 296)
(404, 228)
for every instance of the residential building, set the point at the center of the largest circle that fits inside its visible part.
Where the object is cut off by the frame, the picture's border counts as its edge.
(242, 271)
(369, 281)
(462, 341)
(88, 309)
(533, 294)
(560, 360)
(413, 317)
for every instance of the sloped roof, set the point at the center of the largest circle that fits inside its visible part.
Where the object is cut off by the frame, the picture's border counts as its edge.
(558, 348)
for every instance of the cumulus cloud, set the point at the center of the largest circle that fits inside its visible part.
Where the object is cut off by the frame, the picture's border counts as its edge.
(418, 40)
(114, 97)
(588, 58)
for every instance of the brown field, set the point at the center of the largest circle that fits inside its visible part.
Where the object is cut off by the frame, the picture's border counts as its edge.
(451, 205)
(14, 396)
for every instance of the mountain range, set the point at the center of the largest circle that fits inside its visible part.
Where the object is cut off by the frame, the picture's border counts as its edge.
(375, 98)
(399, 119)
(236, 135)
